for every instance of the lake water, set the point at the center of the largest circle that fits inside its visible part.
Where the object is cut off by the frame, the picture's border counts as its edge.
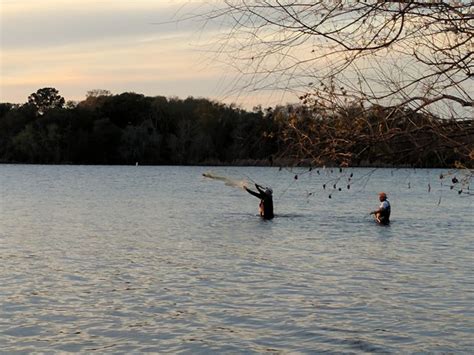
(161, 259)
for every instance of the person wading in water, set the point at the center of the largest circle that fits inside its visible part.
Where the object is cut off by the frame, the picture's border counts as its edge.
(266, 200)
(382, 215)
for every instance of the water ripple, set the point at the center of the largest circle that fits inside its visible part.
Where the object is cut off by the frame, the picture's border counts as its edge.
(168, 263)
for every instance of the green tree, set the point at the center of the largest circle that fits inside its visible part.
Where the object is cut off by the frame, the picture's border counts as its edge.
(26, 145)
(105, 142)
(12, 123)
(141, 144)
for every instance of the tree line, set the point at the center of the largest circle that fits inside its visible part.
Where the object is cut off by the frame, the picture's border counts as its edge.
(129, 127)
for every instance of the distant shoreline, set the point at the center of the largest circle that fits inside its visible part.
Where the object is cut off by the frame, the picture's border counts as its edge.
(251, 163)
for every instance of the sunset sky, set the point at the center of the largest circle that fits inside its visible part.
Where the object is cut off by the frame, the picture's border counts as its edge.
(117, 45)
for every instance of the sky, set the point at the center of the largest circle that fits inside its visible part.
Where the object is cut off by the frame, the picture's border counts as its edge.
(116, 45)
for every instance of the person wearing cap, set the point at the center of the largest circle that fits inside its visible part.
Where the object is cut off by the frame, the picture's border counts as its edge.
(382, 215)
(266, 200)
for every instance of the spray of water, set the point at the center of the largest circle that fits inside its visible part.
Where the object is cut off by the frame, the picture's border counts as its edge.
(228, 181)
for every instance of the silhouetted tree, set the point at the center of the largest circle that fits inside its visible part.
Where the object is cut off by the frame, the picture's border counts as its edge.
(45, 99)
(129, 128)
(126, 109)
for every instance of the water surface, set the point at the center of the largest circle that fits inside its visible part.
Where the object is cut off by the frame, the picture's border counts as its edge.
(134, 259)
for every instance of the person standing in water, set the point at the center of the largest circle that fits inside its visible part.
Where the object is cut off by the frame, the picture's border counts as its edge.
(382, 215)
(266, 200)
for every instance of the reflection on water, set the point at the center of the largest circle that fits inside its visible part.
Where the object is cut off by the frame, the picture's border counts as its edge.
(132, 259)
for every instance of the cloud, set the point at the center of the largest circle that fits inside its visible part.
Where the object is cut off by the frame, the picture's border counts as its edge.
(153, 47)
(59, 23)
(153, 65)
